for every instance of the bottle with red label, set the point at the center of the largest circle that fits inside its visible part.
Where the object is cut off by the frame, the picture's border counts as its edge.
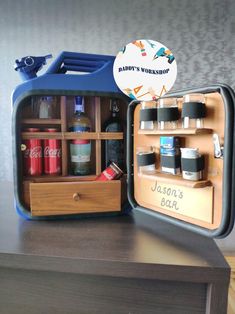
(80, 150)
(52, 154)
(32, 155)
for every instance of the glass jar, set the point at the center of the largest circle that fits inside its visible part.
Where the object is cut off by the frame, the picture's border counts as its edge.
(193, 155)
(168, 113)
(46, 106)
(146, 158)
(193, 111)
(148, 115)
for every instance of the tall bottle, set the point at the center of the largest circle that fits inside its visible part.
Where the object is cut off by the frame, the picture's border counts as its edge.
(80, 150)
(114, 149)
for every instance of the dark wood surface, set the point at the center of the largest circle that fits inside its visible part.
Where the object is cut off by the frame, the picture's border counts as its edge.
(130, 264)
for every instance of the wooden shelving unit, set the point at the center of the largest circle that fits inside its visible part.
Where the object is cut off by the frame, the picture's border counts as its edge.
(91, 192)
(62, 123)
(175, 179)
(176, 132)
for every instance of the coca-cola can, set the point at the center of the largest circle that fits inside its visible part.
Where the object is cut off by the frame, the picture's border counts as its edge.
(112, 172)
(32, 155)
(52, 154)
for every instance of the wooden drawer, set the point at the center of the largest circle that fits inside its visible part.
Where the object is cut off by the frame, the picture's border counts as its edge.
(59, 198)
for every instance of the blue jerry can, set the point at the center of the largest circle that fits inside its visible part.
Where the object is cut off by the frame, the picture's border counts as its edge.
(62, 196)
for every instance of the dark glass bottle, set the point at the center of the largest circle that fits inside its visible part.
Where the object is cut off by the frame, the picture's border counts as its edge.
(114, 149)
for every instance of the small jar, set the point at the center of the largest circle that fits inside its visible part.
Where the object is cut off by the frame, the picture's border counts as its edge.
(148, 115)
(168, 113)
(146, 158)
(193, 111)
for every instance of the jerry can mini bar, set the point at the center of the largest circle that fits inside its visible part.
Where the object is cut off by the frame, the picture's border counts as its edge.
(43, 196)
(194, 192)
(205, 206)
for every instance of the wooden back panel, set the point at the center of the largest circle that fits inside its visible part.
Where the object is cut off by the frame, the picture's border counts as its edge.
(207, 205)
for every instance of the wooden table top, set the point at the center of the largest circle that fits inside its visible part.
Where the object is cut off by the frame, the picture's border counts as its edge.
(128, 246)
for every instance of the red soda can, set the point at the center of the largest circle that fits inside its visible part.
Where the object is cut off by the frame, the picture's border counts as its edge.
(32, 155)
(52, 154)
(112, 172)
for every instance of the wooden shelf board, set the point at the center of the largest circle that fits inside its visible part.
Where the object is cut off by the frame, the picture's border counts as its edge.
(94, 135)
(41, 135)
(41, 121)
(177, 180)
(176, 132)
(51, 178)
(73, 135)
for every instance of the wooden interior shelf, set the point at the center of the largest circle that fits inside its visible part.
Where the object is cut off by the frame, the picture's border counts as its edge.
(57, 178)
(176, 180)
(42, 135)
(41, 121)
(73, 135)
(176, 132)
(93, 135)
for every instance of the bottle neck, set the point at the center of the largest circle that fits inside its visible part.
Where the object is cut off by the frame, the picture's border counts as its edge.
(114, 108)
(79, 108)
(114, 114)
(79, 104)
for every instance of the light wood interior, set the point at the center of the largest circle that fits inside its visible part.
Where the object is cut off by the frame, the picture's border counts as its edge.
(213, 174)
(73, 135)
(97, 109)
(174, 179)
(176, 132)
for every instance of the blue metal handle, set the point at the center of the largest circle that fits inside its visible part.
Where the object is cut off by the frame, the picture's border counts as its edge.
(78, 62)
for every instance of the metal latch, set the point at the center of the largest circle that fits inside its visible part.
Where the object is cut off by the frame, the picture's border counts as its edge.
(218, 149)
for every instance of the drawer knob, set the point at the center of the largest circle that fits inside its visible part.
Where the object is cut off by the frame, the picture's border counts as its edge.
(76, 197)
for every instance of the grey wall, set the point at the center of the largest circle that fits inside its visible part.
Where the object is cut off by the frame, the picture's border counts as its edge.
(200, 34)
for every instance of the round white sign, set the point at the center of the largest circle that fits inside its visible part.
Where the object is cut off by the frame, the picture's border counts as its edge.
(145, 69)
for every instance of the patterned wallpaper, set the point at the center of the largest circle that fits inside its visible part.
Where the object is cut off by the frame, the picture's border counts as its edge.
(200, 34)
